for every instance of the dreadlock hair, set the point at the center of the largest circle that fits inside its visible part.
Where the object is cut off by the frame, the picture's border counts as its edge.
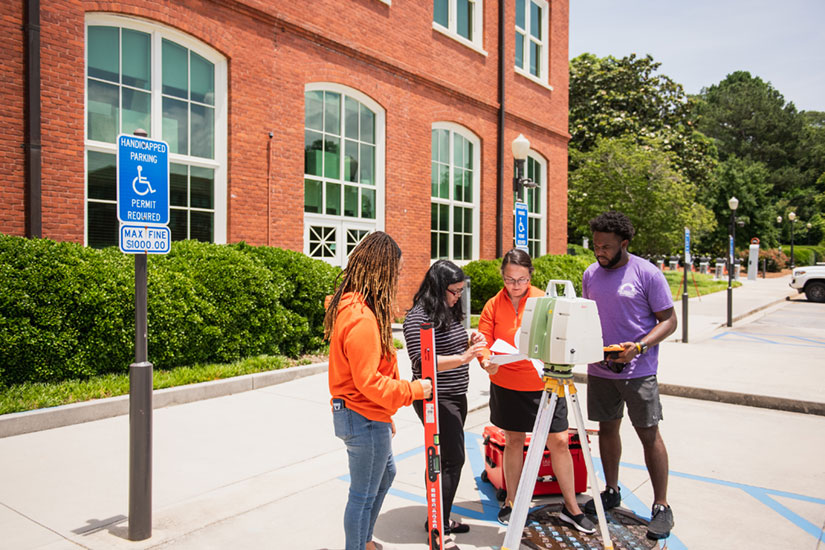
(613, 222)
(432, 294)
(372, 272)
(517, 256)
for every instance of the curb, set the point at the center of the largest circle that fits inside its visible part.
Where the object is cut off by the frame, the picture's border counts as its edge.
(76, 413)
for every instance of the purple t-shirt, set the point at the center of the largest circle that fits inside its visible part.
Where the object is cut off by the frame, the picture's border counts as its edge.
(627, 298)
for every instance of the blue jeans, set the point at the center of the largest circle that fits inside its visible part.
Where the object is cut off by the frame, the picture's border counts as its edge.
(371, 471)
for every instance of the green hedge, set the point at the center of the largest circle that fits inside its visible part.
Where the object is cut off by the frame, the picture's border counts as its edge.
(67, 311)
(806, 254)
(485, 275)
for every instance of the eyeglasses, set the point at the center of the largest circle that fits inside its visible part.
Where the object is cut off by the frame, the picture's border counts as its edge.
(456, 293)
(511, 281)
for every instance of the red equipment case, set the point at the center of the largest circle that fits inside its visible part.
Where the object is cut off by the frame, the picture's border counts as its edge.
(546, 483)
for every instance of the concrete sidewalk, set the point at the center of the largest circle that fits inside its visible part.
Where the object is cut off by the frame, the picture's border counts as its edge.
(261, 469)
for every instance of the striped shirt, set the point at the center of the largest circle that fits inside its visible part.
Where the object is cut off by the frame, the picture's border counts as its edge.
(452, 341)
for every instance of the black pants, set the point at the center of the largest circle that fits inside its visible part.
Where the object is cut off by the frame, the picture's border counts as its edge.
(452, 412)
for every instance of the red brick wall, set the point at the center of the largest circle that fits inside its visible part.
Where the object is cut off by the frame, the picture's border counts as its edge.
(273, 48)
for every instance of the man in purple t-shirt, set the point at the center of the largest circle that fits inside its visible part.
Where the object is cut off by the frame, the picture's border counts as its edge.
(636, 312)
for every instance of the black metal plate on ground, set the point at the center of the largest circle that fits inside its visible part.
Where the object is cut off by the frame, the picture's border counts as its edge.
(545, 531)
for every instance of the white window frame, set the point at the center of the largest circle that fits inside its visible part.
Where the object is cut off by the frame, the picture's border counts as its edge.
(476, 204)
(343, 223)
(542, 215)
(544, 63)
(477, 43)
(158, 32)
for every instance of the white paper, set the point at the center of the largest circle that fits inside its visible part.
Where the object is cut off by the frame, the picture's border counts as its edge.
(507, 353)
(500, 346)
(504, 359)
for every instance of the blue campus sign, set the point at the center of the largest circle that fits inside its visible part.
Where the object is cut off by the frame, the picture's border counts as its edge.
(521, 226)
(142, 180)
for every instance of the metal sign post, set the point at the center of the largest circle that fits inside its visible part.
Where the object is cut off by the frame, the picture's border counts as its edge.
(688, 261)
(143, 211)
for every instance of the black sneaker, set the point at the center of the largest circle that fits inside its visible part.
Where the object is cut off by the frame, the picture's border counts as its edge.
(610, 499)
(661, 522)
(580, 522)
(504, 514)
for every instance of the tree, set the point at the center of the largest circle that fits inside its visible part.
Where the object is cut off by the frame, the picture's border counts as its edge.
(612, 97)
(641, 181)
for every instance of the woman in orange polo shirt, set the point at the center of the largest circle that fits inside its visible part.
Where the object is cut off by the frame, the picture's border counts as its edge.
(363, 379)
(515, 392)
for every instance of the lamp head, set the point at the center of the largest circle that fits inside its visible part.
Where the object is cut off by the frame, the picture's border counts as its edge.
(733, 203)
(520, 147)
(792, 216)
(779, 219)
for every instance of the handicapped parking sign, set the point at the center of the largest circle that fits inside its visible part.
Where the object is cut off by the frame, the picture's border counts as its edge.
(521, 226)
(142, 180)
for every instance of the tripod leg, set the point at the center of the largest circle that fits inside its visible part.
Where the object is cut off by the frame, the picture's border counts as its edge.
(529, 473)
(591, 472)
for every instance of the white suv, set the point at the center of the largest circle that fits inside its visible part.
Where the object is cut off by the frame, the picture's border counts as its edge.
(810, 280)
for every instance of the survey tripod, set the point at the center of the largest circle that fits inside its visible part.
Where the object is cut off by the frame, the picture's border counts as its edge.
(558, 382)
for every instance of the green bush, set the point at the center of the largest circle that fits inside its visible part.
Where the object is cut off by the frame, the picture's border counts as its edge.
(485, 275)
(67, 311)
(775, 260)
(806, 254)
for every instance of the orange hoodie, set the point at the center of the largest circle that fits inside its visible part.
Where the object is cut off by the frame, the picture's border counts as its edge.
(500, 321)
(368, 383)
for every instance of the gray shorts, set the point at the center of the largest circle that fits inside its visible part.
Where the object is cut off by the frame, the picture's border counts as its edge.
(606, 398)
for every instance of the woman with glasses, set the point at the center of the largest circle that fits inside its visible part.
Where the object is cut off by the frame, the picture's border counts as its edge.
(516, 389)
(438, 301)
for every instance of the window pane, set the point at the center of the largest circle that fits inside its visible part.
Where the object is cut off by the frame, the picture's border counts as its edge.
(458, 254)
(202, 80)
(433, 246)
(444, 178)
(351, 118)
(313, 196)
(332, 113)
(201, 226)
(468, 220)
(175, 70)
(367, 164)
(202, 187)
(102, 224)
(203, 131)
(179, 224)
(458, 150)
(176, 125)
(535, 57)
(102, 176)
(102, 111)
(443, 217)
(434, 171)
(313, 157)
(441, 13)
(433, 217)
(103, 53)
(535, 20)
(367, 125)
(464, 18)
(468, 186)
(350, 200)
(458, 220)
(468, 154)
(136, 111)
(332, 158)
(458, 184)
(519, 50)
(333, 199)
(351, 160)
(313, 114)
(178, 185)
(137, 60)
(443, 146)
(520, 14)
(443, 245)
(468, 247)
(368, 203)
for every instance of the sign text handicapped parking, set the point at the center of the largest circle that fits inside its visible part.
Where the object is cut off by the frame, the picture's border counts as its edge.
(142, 180)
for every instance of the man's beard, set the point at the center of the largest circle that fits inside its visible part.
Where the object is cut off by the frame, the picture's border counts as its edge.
(613, 261)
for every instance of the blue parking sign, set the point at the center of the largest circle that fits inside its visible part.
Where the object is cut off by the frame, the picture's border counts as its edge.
(521, 226)
(142, 180)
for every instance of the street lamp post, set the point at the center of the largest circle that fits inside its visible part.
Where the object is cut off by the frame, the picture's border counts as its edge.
(521, 146)
(792, 217)
(733, 204)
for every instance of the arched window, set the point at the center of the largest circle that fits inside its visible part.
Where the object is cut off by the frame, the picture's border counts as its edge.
(536, 200)
(144, 75)
(343, 170)
(454, 189)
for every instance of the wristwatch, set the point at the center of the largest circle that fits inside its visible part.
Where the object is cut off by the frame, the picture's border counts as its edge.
(641, 347)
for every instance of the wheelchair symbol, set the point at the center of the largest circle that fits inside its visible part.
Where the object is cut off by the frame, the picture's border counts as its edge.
(140, 180)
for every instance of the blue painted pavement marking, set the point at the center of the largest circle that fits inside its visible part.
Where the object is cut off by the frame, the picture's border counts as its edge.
(775, 339)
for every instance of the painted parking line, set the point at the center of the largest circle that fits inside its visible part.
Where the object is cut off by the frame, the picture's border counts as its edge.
(775, 339)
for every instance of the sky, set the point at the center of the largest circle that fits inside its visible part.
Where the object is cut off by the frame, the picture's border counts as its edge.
(700, 42)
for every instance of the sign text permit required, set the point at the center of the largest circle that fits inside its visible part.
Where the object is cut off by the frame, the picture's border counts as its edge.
(142, 180)
(521, 226)
(145, 239)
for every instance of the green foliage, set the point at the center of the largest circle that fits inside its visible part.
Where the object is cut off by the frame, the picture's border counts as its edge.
(806, 255)
(639, 180)
(485, 275)
(579, 250)
(67, 311)
(775, 259)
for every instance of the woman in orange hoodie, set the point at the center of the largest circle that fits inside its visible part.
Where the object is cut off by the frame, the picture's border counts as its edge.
(516, 389)
(363, 379)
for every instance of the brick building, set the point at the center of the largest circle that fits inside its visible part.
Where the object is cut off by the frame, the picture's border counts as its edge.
(292, 127)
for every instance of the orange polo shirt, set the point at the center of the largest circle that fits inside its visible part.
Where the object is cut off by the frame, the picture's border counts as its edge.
(500, 321)
(368, 383)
